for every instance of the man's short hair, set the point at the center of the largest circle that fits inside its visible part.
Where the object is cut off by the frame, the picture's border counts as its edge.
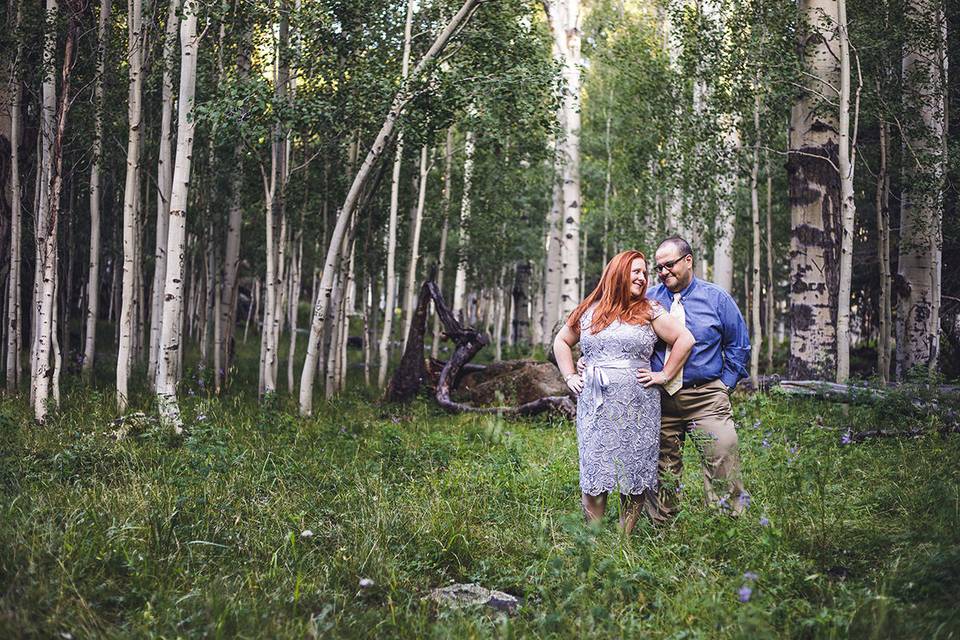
(681, 245)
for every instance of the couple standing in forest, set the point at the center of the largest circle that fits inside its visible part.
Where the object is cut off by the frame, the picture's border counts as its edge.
(657, 365)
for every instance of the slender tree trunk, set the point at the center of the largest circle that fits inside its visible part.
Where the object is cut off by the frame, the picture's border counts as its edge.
(369, 324)
(771, 286)
(499, 314)
(757, 337)
(294, 304)
(921, 210)
(164, 185)
(521, 304)
(14, 314)
(170, 338)
(445, 212)
(46, 338)
(883, 254)
(608, 178)
(252, 309)
(814, 204)
(274, 191)
(410, 298)
(131, 193)
(460, 280)
(347, 210)
(848, 207)
(391, 285)
(45, 140)
(553, 273)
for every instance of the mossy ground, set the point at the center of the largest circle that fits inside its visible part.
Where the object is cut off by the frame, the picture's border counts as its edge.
(153, 536)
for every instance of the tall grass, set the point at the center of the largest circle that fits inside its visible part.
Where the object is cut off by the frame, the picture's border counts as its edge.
(151, 536)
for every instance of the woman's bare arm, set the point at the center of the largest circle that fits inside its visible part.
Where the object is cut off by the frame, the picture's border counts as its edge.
(681, 343)
(562, 349)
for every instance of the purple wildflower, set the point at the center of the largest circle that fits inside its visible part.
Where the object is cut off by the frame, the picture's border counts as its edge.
(845, 438)
(744, 500)
(750, 575)
(764, 521)
(765, 444)
(744, 593)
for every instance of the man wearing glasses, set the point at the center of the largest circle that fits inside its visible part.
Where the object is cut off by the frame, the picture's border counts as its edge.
(697, 400)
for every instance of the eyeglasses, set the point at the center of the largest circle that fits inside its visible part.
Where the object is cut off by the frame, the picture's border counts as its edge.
(668, 265)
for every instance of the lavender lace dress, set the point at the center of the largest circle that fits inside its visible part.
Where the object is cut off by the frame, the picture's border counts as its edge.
(618, 420)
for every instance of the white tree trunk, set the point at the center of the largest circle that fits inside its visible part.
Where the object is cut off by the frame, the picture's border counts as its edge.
(756, 338)
(164, 184)
(46, 373)
(552, 271)
(131, 196)
(48, 116)
(921, 210)
(771, 285)
(848, 208)
(607, 182)
(170, 338)
(815, 203)
(442, 256)
(14, 313)
(460, 280)
(347, 210)
(569, 249)
(391, 298)
(412, 288)
(883, 254)
(293, 304)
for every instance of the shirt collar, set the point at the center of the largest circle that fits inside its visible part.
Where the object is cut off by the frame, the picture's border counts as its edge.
(685, 292)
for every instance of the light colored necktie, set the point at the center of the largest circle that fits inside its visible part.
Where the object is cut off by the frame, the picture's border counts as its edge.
(676, 310)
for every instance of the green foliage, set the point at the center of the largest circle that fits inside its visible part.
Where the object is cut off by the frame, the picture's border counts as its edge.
(147, 537)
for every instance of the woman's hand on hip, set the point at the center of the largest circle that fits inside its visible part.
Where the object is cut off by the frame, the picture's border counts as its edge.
(574, 382)
(649, 378)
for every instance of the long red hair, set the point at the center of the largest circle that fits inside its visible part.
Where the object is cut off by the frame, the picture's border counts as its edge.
(613, 298)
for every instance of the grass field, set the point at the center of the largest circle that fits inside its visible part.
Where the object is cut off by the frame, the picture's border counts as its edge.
(151, 536)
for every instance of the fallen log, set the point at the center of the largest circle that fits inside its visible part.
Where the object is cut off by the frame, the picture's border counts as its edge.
(413, 372)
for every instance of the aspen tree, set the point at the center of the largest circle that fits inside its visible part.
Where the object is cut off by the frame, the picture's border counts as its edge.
(566, 19)
(756, 338)
(45, 139)
(170, 332)
(391, 240)
(771, 285)
(815, 202)
(412, 286)
(460, 280)
(846, 163)
(131, 195)
(14, 318)
(445, 213)
(883, 254)
(921, 210)
(46, 375)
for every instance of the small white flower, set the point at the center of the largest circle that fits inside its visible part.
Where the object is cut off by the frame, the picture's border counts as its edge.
(366, 583)
(306, 533)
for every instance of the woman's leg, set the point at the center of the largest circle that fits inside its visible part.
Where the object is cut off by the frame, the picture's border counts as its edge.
(631, 506)
(593, 506)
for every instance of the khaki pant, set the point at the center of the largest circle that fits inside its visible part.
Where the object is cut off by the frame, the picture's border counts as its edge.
(704, 413)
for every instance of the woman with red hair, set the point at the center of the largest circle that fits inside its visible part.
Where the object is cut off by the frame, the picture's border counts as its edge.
(618, 419)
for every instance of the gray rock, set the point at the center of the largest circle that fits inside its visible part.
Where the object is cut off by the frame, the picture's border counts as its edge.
(469, 594)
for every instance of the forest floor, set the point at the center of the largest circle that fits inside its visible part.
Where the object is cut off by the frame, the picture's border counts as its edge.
(153, 536)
